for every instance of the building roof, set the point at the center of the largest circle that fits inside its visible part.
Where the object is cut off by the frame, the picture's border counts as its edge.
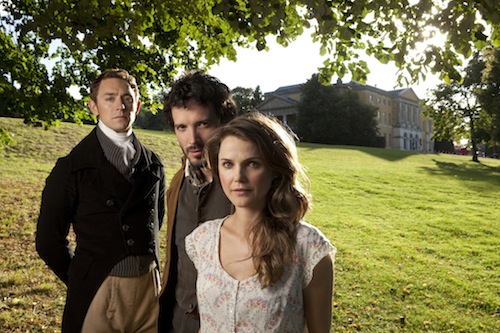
(288, 89)
(389, 93)
(282, 92)
(274, 101)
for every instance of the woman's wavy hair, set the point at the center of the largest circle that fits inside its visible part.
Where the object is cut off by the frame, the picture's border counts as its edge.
(274, 237)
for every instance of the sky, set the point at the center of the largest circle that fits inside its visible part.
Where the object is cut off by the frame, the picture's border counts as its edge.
(296, 64)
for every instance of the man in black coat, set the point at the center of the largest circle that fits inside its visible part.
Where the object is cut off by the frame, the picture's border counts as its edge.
(111, 189)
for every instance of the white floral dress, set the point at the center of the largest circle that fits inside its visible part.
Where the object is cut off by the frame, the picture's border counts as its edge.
(228, 305)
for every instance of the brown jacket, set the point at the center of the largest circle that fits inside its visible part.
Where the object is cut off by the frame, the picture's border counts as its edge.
(172, 198)
(223, 209)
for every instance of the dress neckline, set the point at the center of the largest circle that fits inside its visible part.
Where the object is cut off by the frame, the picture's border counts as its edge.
(219, 264)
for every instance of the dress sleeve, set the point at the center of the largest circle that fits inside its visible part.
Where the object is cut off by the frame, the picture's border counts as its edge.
(312, 246)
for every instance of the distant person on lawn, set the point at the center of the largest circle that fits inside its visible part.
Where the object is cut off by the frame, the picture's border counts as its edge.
(111, 189)
(261, 268)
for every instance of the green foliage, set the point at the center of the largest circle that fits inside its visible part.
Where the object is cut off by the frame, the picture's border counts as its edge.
(469, 109)
(448, 111)
(417, 235)
(5, 138)
(148, 120)
(444, 146)
(489, 96)
(26, 87)
(327, 114)
(454, 110)
(247, 98)
(48, 46)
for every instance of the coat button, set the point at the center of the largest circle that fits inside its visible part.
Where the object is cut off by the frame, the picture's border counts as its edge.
(125, 227)
(109, 203)
(130, 242)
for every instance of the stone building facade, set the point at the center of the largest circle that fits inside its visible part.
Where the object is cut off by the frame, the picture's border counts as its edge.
(399, 115)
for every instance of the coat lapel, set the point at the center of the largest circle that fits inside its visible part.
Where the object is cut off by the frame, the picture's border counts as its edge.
(144, 180)
(111, 182)
(107, 179)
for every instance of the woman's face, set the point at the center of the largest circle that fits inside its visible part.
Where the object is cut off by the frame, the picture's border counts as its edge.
(244, 177)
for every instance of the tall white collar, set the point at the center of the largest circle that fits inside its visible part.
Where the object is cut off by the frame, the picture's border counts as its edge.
(119, 139)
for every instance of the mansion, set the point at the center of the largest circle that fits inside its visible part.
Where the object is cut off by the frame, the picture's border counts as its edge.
(399, 115)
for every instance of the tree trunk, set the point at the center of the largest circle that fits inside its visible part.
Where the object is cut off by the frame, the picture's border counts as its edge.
(473, 139)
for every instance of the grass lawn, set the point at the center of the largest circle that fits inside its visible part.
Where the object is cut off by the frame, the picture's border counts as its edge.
(418, 235)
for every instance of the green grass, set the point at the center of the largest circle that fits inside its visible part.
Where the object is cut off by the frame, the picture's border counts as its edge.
(417, 234)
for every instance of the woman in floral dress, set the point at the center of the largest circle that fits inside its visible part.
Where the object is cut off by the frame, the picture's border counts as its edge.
(262, 268)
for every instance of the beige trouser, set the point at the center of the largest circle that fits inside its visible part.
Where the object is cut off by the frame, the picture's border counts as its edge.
(125, 305)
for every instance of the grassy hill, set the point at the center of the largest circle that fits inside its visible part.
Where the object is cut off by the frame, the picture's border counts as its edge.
(418, 236)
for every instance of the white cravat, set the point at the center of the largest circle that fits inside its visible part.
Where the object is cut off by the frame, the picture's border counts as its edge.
(122, 140)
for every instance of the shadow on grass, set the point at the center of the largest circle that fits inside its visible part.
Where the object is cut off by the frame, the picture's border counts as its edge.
(469, 171)
(390, 155)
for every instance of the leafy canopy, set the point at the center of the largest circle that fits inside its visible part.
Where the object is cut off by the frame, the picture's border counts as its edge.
(247, 98)
(489, 96)
(48, 46)
(469, 109)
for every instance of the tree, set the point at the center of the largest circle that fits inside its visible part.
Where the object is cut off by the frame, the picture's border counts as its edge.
(152, 121)
(330, 115)
(48, 46)
(469, 109)
(489, 97)
(247, 98)
(454, 108)
(28, 90)
(258, 96)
